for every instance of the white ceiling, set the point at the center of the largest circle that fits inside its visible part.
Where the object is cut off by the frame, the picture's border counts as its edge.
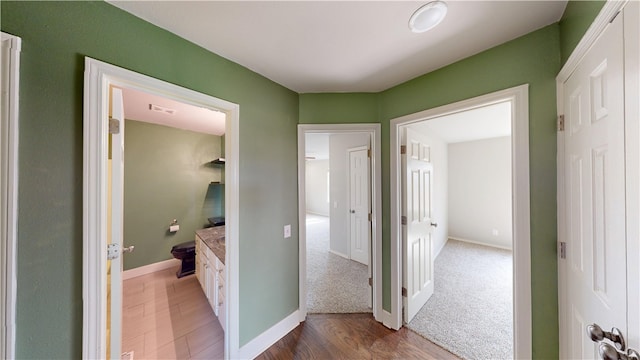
(185, 116)
(343, 46)
(481, 123)
(316, 146)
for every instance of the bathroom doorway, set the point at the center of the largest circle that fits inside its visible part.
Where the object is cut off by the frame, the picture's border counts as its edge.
(169, 145)
(99, 77)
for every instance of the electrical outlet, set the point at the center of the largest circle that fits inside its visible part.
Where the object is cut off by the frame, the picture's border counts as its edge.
(495, 232)
(287, 231)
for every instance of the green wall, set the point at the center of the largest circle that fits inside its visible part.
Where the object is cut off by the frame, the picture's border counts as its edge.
(56, 36)
(532, 59)
(167, 175)
(577, 17)
(336, 108)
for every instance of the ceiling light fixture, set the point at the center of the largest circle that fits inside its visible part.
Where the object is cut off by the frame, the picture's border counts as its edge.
(427, 16)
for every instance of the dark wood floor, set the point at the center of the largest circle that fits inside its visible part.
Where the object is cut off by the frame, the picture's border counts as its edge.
(352, 336)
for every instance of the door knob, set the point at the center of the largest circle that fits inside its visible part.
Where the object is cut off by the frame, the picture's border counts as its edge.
(352, 211)
(434, 224)
(596, 334)
(128, 249)
(608, 352)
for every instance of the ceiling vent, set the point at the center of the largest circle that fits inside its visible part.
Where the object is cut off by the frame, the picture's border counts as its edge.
(161, 109)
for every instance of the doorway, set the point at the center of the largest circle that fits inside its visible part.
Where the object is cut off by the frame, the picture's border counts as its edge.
(518, 97)
(169, 145)
(471, 233)
(99, 77)
(329, 203)
(337, 227)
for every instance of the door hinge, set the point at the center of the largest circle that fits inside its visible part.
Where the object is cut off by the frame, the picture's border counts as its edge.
(368, 153)
(114, 126)
(403, 149)
(561, 123)
(614, 17)
(404, 292)
(113, 251)
(563, 250)
(369, 216)
(370, 281)
(403, 220)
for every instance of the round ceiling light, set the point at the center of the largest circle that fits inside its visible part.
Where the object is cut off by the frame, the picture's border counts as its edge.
(427, 16)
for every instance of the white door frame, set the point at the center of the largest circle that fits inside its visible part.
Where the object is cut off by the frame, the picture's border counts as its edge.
(9, 193)
(632, 162)
(97, 78)
(373, 130)
(519, 98)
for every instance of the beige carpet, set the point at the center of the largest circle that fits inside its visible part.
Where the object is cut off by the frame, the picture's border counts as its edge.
(470, 312)
(334, 284)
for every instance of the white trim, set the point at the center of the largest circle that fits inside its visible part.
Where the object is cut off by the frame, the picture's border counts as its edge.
(149, 269)
(317, 214)
(596, 28)
(97, 79)
(480, 243)
(521, 211)
(9, 128)
(386, 319)
(376, 225)
(264, 341)
(632, 143)
(339, 254)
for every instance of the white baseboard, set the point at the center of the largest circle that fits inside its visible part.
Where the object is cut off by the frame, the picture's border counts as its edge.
(339, 254)
(317, 213)
(481, 243)
(263, 341)
(151, 268)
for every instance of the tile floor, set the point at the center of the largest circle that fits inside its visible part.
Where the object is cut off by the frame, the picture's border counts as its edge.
(169, 318)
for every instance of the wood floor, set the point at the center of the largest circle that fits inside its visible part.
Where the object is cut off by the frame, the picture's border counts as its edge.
(351, 336)
(169, 318)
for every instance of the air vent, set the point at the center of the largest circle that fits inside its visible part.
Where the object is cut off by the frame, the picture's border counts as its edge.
(161, 109)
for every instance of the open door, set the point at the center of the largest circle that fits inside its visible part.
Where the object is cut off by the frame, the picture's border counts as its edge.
(417, 221)
(359, 204)
(115, 199)
(360, 210)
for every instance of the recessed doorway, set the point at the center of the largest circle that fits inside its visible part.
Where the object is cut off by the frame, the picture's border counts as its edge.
(325, 217)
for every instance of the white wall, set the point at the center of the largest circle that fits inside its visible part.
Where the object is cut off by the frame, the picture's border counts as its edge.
(339, 178)
(316, 187)
(480, 191)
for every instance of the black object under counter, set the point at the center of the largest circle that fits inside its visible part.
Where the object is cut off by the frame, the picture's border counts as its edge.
(214, 238)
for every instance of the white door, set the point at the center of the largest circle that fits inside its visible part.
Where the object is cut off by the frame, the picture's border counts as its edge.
(417, 188)
(359, 205)
(595, 194)
(115, 230)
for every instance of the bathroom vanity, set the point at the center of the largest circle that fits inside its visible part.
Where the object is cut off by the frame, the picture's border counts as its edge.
(210, 254)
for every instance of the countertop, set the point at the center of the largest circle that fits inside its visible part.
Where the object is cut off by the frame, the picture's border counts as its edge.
(213, 237)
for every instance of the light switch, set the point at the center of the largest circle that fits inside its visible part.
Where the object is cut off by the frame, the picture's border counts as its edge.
(287, 231)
